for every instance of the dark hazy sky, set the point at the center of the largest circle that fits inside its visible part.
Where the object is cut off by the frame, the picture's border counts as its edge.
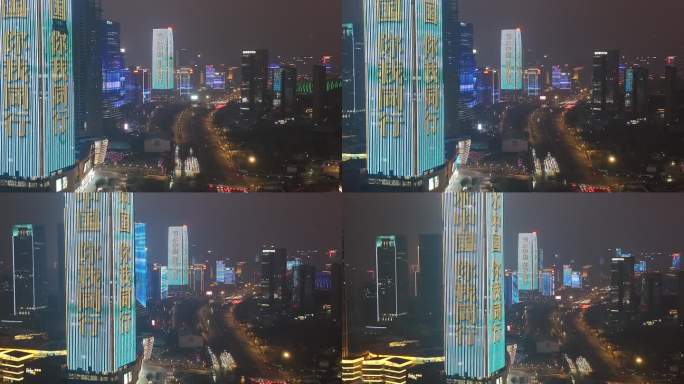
(221, 29)
(232, 226)
(571, 30)
(574, 226)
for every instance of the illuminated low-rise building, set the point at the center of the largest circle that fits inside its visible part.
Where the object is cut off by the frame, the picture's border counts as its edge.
(29, 365)
(390, 369)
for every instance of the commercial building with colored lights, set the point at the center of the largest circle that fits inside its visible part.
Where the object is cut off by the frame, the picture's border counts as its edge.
(511, 294)
(511, 60)
(404, 88)
(474, 318)
(37, 126)
(163, 69)
(567, 275)
(371, 368)
(528, 262)
(392, 284)
(178, 267)
(532, 82)
(548, 283)
(141, 280)
(101, 326)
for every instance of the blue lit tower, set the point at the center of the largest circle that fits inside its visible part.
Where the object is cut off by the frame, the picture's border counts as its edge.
(100, 283)
(404, 87)
(37, 105)
(474, 319)
(466, 72)
(141, 263)
(452, 56)
(113, 67)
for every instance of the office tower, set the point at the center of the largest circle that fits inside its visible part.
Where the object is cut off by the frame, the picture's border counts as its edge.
(548, 282)
(338, 286)
(101, 327)
(511, 60)
(37, 125)
(528, 262)
(141, 263)
(676, 261)
(567, 274)
(605, 89)
(622, 279)
(214, 79)
(319, 93)
(430, 281)
(288, 90)
(532, 86)
(87, 16)
(466, 72)
(475, 346)
(273, 272)
(511, 292)
(178, 264)
(453, 66)
(575, 280)
(254, 66)
(164, 282)
(392, 277)
(184, 81)
(405, 88)
(353, 83)
(680, 294)
(220, 271)
(639, 92)
(303, 296)
(652, 293)
(197, 272)
(229, 277)
(183, 57)
(487, 82)
(670, 88)
(155, 282)
(113, 85)
(29, 285)
(163, 68)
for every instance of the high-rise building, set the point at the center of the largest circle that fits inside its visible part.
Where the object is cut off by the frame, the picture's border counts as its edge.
(670, 88)
(303, 297)
(511, 60)
(548, 282)
(567, 274)
(487, 83)
(29, 266)
(392, 277)
(273, 273)
(453, 65)
(405, 88)
(220, 271)
(163, 68)
(639, 92)
(511, 292)
(319, 93)
(353, 81)
(184, 81)
(605, 88)
(622, 279)
(178, 264)
(37, 125)
(466, 72)
(254, 85)
(431, 272)
(475, 328)
(288, 90)
(197, 274)
(141, 263)
(528, 262)
(101, 327)
(86, 32)
(113, 68)
(532, 85)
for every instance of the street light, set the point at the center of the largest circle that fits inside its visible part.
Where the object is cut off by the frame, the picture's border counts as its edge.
(638, 360)
(286, 355)
(252, 159)
(612, 159)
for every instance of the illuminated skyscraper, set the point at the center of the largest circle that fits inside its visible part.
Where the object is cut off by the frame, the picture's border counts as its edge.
(254, 85)
(605, 89)
(178, 267)
(353, 80)
(548, 283)
(532, 86)
(100, 283)
(184, 76)
(28, 268)
(528, 262)
(452, 66)
(113, 68)
(511, 60)
(141, 263)
(163, 69)
(474, 321)
(670, 87)
(466, 72)
(511, 293)
(405, 87)
(273, 272)
(567, 275)
(87, 18)
(392, 271)
(37, 126)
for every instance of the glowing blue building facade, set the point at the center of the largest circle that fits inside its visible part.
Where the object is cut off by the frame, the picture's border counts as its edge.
(404, 87)
(37, 103)
(141, 263)
(474, 320)
(528, 262)
(100, 282)
(163, 69)
(511, 60)
(178, 268)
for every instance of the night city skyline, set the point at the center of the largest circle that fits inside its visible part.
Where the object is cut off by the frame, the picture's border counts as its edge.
(221, 30)
(580, 227)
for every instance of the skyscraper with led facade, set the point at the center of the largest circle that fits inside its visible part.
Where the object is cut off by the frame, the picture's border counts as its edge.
(37, 105)
(511, 60)
(29, 286)
(163, 69)
(178, 268)
(141, 263)
(528, 262)
(100, 283)
(474, 320)
(392, 283)
(405, 92)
